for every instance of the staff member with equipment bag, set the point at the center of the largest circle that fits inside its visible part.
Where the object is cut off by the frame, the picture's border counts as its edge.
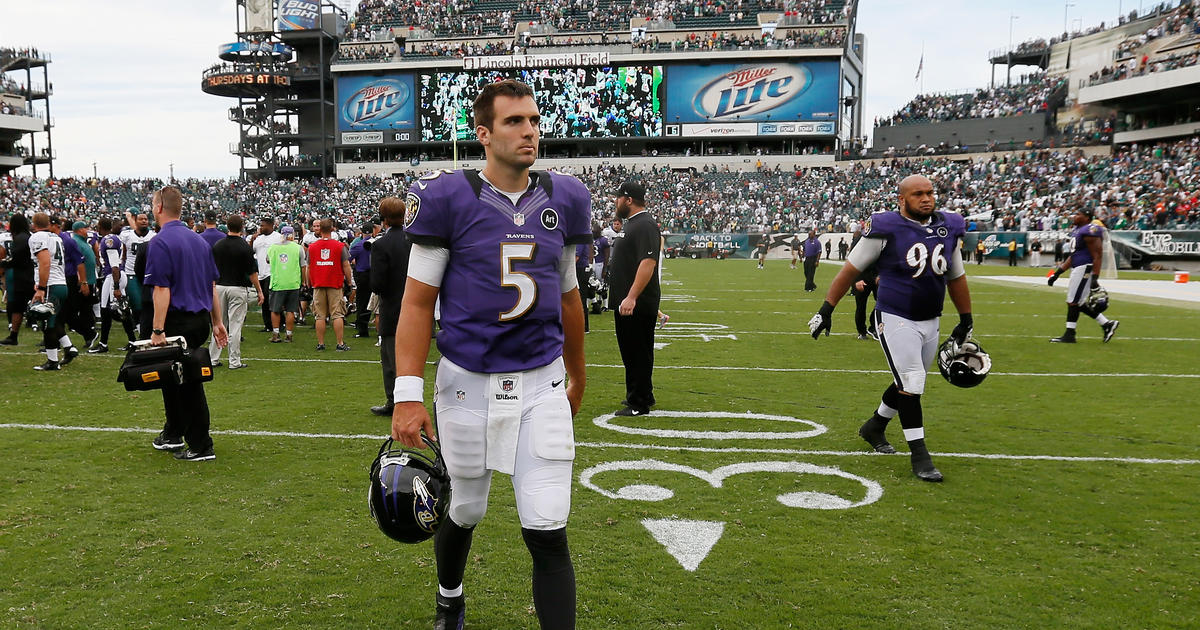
(181, 270)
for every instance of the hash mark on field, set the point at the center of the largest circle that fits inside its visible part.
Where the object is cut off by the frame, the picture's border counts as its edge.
(657, 447)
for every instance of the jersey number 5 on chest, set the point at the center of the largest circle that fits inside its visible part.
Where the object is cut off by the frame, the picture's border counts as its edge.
(522, 282)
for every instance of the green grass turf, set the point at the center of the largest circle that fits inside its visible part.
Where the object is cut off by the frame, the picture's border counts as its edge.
(97, 530)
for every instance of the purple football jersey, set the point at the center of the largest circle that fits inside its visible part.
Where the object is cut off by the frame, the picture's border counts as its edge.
(1081, 255)
(914, 262)
(109, 242)
(500, 296)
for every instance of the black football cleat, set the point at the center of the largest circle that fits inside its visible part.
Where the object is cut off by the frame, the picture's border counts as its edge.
(382, 410)
(1110, 329)
(163, 443)
(48, 366)
(1066, 338)
(70, 355)
(100, 348)
(188, 455)
(631, 411)
(925, 471)
(451, 613)
(8, 341)
(875, 439)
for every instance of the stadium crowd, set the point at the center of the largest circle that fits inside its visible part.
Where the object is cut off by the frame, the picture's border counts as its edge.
(1030, 95)
(1138, 187)
(464, 18)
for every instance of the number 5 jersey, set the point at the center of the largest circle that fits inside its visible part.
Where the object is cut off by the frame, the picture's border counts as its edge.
(501, 298)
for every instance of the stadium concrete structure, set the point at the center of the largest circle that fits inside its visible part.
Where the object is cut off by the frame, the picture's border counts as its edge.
(278, 70)
(25, 123)
(1157, 104)
(396, 109)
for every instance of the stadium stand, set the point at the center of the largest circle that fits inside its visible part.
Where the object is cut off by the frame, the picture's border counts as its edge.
(1032, 94)
(1146, 187)
(472, 18)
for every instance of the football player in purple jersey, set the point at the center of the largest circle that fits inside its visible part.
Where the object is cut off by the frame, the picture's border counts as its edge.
(917, 253)
(497, 247)
(1084, 262)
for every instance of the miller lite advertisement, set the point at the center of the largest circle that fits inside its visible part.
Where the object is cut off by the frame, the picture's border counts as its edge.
(370, 103)
(753, 92)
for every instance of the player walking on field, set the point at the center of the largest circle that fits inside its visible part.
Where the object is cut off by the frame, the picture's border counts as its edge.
(498, 248)
(917, 253)
(1085, 262)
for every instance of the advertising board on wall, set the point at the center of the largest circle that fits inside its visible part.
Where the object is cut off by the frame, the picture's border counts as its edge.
(373, 103)
(755, 92)
(299, 15)
(560, 60)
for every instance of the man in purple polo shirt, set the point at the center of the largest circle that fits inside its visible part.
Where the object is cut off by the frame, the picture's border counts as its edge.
(211, 234)
(181, 270)
(498, 247)
(812, 256)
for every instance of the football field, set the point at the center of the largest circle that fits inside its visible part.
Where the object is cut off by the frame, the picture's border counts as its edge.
(745, 501)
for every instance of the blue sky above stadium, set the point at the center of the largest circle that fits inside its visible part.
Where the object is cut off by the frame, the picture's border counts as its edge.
(126, 73)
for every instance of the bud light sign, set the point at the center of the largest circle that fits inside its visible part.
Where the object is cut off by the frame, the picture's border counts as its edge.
(298, 15)
(370, 103)
(757, 92)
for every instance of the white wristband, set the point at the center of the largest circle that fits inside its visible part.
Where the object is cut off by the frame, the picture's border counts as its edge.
(408, 389)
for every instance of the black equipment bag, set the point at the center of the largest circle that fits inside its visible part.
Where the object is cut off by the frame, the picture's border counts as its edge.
(197, 365)
(151, 367)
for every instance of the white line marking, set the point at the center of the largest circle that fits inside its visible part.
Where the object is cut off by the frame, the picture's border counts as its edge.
(698, 449)
(605, 422)
(751, 368)
(789, 451)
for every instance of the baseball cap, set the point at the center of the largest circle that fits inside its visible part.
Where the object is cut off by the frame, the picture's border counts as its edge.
(287, 230)
(634, 190)
(78, 225)
(267, 219)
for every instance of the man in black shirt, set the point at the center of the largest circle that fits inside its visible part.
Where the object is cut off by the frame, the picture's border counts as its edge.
(389, 273)
(634, 295)
(18, 275)
(238, 272)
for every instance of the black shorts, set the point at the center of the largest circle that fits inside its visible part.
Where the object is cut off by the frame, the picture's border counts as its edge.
(18, 301)
(285, 301)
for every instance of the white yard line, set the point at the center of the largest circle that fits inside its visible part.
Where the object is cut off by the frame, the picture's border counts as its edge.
(603, 445)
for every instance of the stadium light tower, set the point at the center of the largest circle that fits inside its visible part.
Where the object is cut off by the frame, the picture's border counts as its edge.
(1066, 9)
(1011, 18)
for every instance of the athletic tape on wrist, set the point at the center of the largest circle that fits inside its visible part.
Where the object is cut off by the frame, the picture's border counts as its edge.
(408, 389)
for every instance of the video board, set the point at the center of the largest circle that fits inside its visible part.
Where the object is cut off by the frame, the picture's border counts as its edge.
(591, 102)
(375, 103)
(753, 99)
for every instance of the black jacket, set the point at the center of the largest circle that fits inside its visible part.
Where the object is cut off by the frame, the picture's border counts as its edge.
(389, 272)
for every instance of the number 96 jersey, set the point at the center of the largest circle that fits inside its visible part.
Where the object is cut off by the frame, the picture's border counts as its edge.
(501, 297)
(915, 261)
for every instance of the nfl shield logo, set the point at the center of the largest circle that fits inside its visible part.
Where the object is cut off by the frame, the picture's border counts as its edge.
(507, 384)
(324, 254)
(519, 218)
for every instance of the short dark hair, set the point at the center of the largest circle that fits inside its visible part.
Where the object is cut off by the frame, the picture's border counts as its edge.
(105, 224)
(210, 216)
(234, 223)
(392, 209)
(484, 109)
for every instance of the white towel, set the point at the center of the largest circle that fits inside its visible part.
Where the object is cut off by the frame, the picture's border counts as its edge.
(504, 422)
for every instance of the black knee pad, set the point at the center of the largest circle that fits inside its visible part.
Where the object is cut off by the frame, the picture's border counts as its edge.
(548, 548)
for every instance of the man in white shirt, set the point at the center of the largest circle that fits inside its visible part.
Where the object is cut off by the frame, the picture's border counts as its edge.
(263, 239)
(46, 249)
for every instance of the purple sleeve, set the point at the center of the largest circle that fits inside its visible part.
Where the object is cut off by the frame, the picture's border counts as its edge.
(159, 271)
(425, 220)
(578, 226)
